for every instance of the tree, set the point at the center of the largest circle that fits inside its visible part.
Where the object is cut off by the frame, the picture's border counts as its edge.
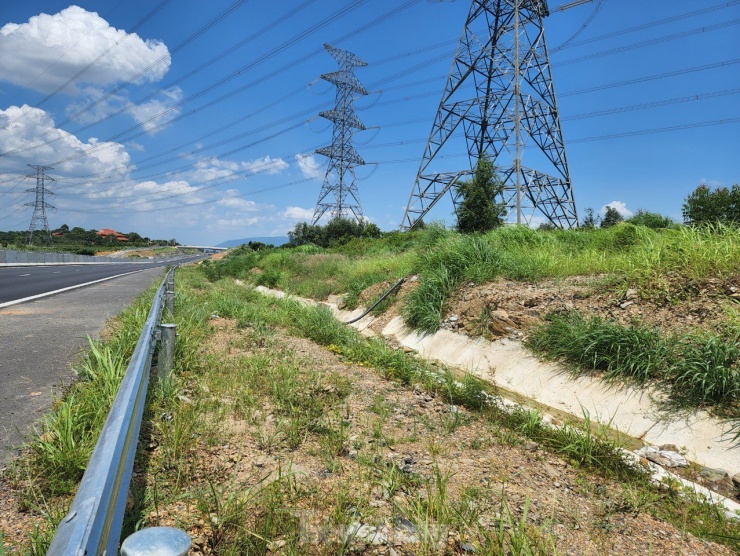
(337, 231)
(478, 210)
(612, 217)
(704, 206)
(650, 220)
(589, 222)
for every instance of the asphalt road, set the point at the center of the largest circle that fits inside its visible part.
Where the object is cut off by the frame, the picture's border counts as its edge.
(20, 282)
(41, 340)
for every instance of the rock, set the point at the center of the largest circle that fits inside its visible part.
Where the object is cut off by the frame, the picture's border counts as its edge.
(713, 475)
(669, 447)
(626, 304)
(630, 294)
(666, 458)
(736, 480)
(500, 314)
(452, 318)
(531, 446)
(275, 546)
(404, 523)
(366, 533)
(469, 548)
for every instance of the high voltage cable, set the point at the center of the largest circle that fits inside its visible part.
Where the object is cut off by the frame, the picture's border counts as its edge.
(263, 58)
(245, 117)
(313, 109)
(207, 64)
(654, 104)
(413, 159)
(651, 77)
(110, 48)
(581, 29)
(672, 73)
(218, 57)
(654, 23)
(63, 54)
(169, 122)
(178, 171)
(651, 42)
(235, 74)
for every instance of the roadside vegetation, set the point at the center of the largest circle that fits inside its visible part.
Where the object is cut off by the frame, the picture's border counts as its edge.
(662, 267)
(285, 431)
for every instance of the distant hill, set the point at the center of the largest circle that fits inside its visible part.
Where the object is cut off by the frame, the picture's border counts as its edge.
(276, 240)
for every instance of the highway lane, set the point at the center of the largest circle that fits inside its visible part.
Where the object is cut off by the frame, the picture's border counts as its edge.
(41, 342)
(20, 282)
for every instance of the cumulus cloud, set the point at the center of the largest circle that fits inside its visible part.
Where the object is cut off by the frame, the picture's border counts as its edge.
(95, 187)
(619, 206)
(298, 213)
(310, 168)
(157, 113)
(49, 50)
(28, 136)
(211, 169)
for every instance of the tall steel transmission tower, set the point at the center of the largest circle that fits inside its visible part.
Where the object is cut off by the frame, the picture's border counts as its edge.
(500, 95)
(339, 179)
(38, 219)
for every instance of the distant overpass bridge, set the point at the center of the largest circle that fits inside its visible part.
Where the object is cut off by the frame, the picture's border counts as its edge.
(204, 248)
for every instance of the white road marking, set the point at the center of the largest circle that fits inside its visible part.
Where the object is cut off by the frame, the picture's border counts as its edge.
(24, 275)
(31, 298)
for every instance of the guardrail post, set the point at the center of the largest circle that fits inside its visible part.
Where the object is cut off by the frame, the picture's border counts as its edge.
(169, 302)
(159, 541)
(166, 351)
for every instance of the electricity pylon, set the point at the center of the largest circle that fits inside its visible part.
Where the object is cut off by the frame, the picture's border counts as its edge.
(38, 219)
(500, 89)
(339, 179)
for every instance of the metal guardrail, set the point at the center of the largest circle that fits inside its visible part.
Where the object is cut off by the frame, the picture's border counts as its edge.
(93, 525)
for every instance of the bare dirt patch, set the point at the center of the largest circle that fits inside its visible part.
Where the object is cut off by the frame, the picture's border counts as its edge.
(508, 308)
(400, 445)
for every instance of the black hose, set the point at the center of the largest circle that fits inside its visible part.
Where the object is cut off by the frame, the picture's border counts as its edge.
(382, 297)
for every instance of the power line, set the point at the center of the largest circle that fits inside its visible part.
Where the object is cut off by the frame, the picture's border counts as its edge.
(581, 29)
(654, 24)
(651, 42)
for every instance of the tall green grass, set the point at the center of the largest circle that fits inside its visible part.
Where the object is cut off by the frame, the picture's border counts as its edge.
(699, 370)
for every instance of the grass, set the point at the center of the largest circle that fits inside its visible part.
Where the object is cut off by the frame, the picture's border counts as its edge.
(664, 265)
(697, 370)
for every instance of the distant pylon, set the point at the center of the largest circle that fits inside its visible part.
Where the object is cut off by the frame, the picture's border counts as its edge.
(339, 179)
(500, 89)
(39, 220)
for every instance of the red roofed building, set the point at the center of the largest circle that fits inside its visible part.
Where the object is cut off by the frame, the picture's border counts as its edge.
(106, 232)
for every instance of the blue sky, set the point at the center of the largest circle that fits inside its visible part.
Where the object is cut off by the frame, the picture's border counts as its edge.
(197, 120)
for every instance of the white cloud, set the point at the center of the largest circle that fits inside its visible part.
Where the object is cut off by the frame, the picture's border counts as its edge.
(157, 113)
(619, 206)
(298, 213)
(95, 188)
(266, 164)
(49, 50)
(212, 169)
(28, 136)
(309, 167)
